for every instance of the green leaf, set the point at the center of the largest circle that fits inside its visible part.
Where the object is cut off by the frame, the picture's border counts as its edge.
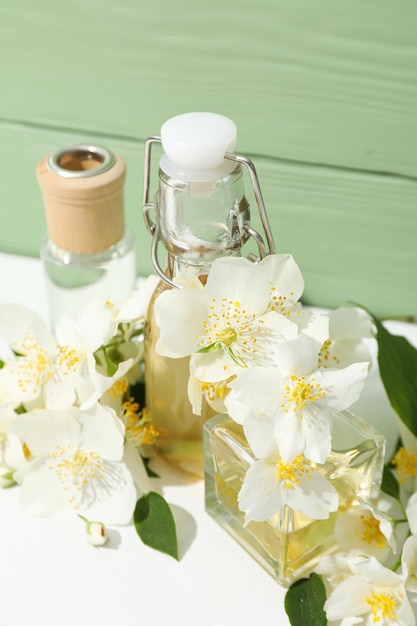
(155, 524)
(304, 602)
(2, 364)
(397, 360)
(390, 484)
(213, 347)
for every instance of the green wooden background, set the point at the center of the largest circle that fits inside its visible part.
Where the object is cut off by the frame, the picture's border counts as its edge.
(324, 94)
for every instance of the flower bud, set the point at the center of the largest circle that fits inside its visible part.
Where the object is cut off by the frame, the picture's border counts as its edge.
(96, 532)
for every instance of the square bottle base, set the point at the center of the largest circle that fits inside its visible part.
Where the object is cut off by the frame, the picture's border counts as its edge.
(288, 545)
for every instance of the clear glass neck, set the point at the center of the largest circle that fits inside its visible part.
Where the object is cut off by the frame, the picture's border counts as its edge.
(201, 221)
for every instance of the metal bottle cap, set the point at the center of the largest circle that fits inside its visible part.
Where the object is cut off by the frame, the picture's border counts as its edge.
(80, 161)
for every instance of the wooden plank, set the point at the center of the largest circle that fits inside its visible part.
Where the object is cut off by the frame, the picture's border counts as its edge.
(353, 234)
(325, 82)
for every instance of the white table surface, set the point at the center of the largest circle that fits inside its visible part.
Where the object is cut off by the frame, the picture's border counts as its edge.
(51, 576)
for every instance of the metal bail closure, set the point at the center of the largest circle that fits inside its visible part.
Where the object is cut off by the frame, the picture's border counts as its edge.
(153, 228)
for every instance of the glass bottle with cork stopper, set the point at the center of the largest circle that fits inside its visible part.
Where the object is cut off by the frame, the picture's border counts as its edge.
(201, 213)
(88, 252)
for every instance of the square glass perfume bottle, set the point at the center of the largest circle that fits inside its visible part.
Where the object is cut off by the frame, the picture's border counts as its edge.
(289, 544)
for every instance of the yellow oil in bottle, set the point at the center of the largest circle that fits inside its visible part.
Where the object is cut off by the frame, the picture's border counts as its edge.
(180, 429)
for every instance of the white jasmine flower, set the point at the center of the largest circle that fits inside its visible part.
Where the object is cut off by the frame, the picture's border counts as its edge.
(374, 593)
(78, 464)
(367, 529)
(226, 325)
(270, 484)
(54, 373)
(299, 397)
(349, 327)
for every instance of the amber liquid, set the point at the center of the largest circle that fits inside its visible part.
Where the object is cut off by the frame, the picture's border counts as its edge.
(180, 430)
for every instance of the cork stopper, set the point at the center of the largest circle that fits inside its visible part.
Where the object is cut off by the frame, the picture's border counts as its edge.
(82, 189)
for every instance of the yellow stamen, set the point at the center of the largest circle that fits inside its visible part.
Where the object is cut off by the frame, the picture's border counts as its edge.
(406, 464)
(119, 388)
(138, 424)
(215, 391)
(372, 532)
(381, 605)
(324, 355)
(301, 393)
(35, 368)
(68, 358)
(77, 468)
(290, 473)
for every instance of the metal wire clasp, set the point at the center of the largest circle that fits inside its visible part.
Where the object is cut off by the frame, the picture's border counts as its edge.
(263, 248)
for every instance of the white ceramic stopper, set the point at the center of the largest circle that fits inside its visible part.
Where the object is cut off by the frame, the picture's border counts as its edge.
(195, 144)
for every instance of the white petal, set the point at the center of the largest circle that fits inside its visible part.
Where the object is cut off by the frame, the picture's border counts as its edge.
(284, 327)
(409, 562)
(314, 325)
(59, 392)
(43, 431)
(298, 356)
(412, 513)
(136, 306)
(261, 495)
(315, 497)
(343, 352)
(115, 505)
(7, 415)
(42, 494)
(179, 313)
(406, 614)
(374, 572)
(350, 323)
(237, 279)
(195, 394)
(102, 432)
(17, 321)
(343, 386)
(259, 432)
(348, 599)
(213, 367)
(13, 453)
(317, 428)
(10, 390)
(90, 330)
(236, 409)
(290, 437)
(257, 387)
(284, 274)
(137, 469)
